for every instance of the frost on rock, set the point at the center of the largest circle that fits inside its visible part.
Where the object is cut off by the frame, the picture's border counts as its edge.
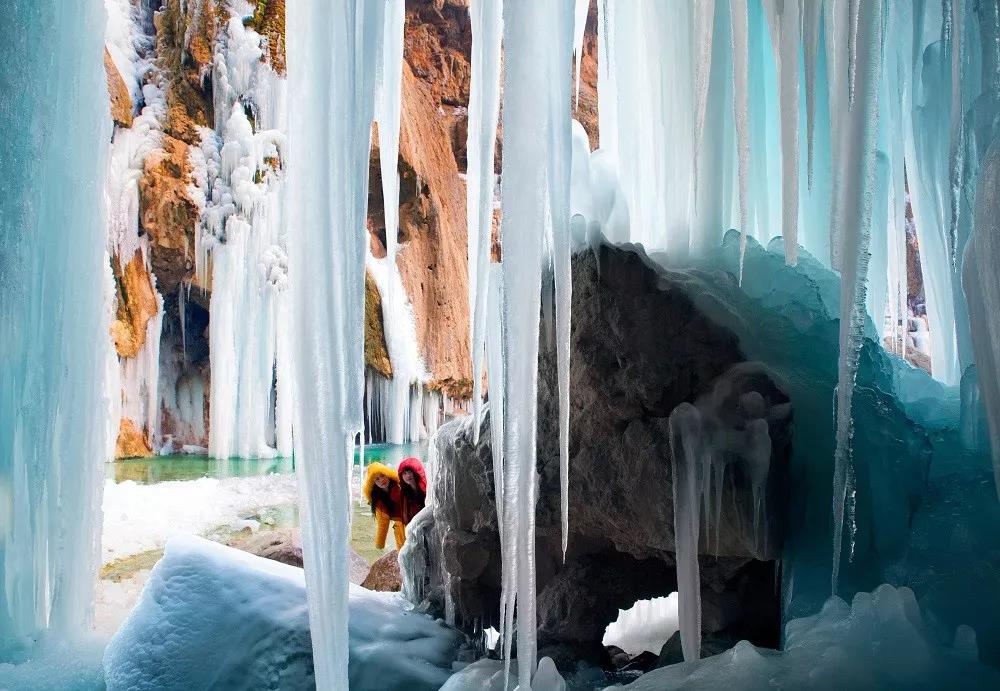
(199, 588)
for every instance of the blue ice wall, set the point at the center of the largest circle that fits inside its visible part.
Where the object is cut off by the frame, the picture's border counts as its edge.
(924, 513)
(54, 132)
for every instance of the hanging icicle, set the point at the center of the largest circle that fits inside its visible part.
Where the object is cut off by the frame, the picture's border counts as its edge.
(332, 69)
(484, 106)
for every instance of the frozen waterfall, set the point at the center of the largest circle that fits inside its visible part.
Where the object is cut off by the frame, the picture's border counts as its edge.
(54, 304)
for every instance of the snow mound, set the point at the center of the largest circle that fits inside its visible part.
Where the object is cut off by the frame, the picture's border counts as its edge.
(215, 617)
(877, 642)
(646, 626)
(56, 666)
(487, 675)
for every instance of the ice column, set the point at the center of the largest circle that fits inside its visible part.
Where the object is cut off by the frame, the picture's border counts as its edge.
(484, 105)
(535, 193)
(332, 70)
(856, 171)
(54, 344)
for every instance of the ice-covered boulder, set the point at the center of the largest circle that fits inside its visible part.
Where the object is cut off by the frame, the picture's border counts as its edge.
(215, 617)
(640, 347)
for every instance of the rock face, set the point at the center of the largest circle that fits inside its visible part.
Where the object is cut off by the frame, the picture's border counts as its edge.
(168, 214)
(121, 101)
(132, 441)
(384, 575)
(137, 304)
(639, 348)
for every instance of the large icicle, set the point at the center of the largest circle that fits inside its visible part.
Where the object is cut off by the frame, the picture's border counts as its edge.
(786, 27)
(484, 105)
(857, 175)
(535, 190)
(54, 346)
(704, 20)
(741, 113)
(332, 70)
(688, 458)
(390, 91)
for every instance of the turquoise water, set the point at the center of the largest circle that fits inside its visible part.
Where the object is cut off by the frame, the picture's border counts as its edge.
(147, 471)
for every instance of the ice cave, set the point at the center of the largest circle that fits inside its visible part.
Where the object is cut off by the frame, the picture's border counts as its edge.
(551, 345)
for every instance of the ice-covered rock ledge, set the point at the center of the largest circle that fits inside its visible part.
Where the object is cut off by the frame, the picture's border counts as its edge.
(215, 617)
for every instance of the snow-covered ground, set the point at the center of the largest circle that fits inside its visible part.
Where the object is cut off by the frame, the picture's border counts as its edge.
(139, 518)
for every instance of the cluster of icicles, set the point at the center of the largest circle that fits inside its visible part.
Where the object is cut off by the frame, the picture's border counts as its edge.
(701, 104)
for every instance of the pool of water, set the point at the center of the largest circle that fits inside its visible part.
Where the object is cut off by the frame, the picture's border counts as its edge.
(280, 514)
(147, 471)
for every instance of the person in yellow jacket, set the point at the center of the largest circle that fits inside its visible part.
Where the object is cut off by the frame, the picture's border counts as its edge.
(382, 491)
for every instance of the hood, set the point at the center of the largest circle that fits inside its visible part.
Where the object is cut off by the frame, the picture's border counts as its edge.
(417, 467)
(374, 470)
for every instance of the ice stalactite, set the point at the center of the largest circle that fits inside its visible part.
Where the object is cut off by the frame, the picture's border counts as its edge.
(54, 346)
(741, 115)
(332, 68)
(784, 18)
(979, 277)
(727, 426)
(242, 245)
(857, 177)
(704, 20)
(387, 115)
(484, 105)
(538, 41)
(579, 27)
(685, 448)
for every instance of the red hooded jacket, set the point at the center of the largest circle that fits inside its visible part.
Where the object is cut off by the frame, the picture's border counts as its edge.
(413, 498)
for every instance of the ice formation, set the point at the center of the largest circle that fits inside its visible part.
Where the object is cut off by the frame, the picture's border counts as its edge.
(538, 42)
(241, 248)
(879, 641)
(54, 349)
(171, 639)
(332, 67)
(728, 426)
(484, 106)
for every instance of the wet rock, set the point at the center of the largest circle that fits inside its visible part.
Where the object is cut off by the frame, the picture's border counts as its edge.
(277, 545)
(671, 653)
(384, 575)
(137, 304)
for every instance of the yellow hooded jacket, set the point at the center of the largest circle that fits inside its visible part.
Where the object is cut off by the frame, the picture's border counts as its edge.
(385, 514)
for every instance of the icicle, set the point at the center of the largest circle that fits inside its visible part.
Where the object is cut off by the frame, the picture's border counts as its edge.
(786, 26)
(388, 119)
(957, 134)
(535, 195)
(484, 104)
(704, 17)
(811, 14)
(857, 173)
(741, 114)
(579, 26)
(687, 479)
(332, 69)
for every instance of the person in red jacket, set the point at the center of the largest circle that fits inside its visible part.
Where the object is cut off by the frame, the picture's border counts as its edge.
(381, 489)
(413, 487)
